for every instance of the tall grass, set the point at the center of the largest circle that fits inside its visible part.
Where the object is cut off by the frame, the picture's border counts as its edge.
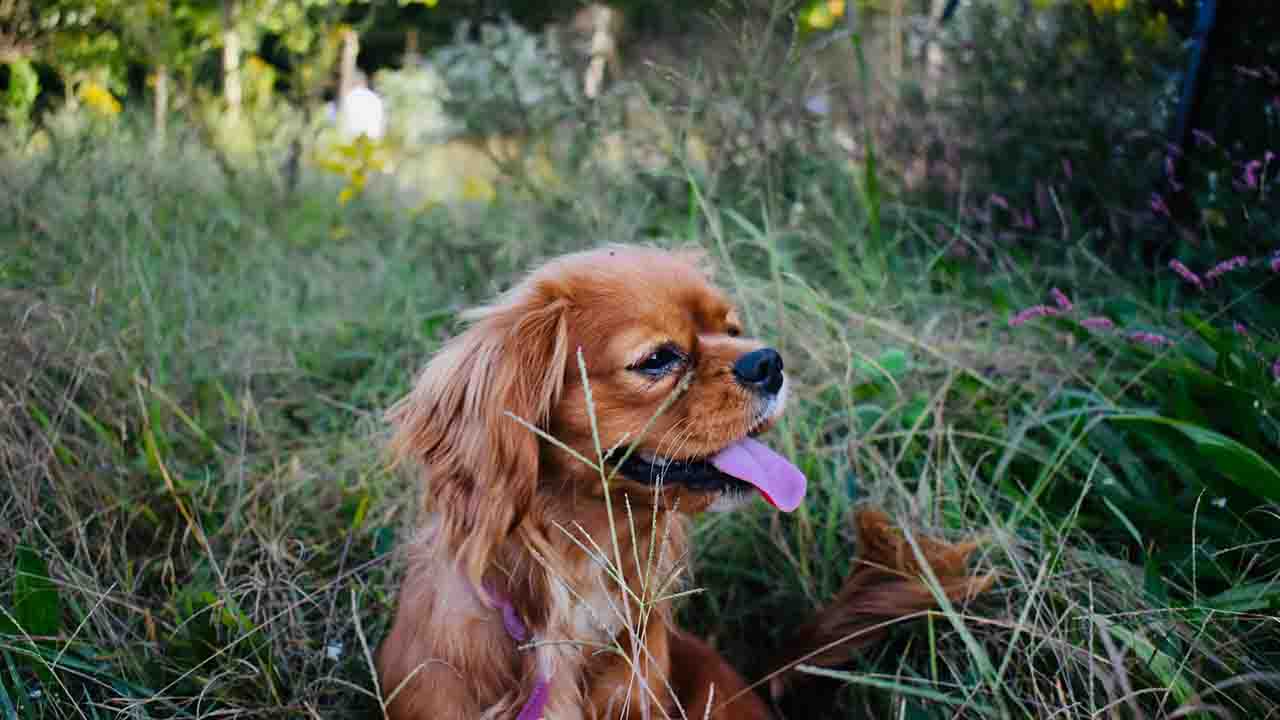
(197, 520)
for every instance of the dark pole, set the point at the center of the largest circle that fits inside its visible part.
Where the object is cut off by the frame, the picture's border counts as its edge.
(1192, 83)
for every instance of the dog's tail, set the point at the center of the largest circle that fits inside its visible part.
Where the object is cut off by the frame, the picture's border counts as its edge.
(886, 584)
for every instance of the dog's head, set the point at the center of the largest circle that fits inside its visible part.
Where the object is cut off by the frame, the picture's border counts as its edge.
(674, 394)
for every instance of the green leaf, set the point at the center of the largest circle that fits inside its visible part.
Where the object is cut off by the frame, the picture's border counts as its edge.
(1240, 464)
(1246, 598)
(900, 688)
(895, 361)
(1165, 667)
(914, 410)
(15, 682)
(362, 509)
(1124, 520)
(891, 365)
(37, 608)
(6, 705)
(384, 540)
(436, 321)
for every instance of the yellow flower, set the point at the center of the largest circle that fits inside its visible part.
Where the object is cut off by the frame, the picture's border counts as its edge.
(1156, 28)
(355, 163)
(477, 188)
(822, 15)
(1104, 7)
(99, 99)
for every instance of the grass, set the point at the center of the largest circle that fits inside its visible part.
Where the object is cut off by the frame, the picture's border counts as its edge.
(197, 520)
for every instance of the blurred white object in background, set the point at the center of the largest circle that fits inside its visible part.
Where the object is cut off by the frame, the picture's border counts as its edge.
(362, 112)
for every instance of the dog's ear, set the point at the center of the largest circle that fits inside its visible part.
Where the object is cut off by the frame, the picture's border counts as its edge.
(481, 465)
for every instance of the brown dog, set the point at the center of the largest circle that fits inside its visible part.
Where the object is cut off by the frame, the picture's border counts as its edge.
(541, 583)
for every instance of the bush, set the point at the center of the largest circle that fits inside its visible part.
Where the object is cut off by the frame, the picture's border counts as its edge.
(508, 81)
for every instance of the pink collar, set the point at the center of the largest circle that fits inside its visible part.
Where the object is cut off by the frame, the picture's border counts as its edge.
(516, 628)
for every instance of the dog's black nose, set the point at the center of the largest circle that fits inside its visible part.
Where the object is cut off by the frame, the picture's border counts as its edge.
(760, 370)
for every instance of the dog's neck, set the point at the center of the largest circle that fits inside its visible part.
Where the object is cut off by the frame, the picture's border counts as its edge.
(580, 592)
(572, 559)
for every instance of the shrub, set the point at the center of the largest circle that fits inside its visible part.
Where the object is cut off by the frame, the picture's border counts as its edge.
(1176, 433)
(507, 81)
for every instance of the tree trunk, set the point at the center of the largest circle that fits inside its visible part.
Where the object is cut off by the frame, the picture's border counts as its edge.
(347, 65)
(232, 91)
(68, 79)
(410, 47)
(601, 24)
(933, 59)
(161, 109)
(896, 51)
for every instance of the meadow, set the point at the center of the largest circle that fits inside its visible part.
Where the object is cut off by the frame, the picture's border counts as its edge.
(197, 519)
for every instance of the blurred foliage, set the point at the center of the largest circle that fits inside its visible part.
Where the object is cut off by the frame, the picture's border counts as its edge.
(509, 80)
(1075, 103)
(1165, 444)
(20, 98)
(415, 98)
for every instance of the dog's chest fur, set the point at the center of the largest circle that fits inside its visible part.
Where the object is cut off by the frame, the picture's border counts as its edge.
(588, 612)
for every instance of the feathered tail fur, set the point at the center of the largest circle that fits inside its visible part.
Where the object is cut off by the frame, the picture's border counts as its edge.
(886, 583)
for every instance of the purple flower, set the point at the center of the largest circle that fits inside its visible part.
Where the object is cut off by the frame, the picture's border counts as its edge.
(1097, 323)
(1031, 313)
(1275, 262)
(999, 200)
(1024, 221)
(1063, 302)
(1251, 169)
(1275, 369)
(1226, 266)
(1267, 157)
(1185, 273)
(1043, 201)
(1240, 328)
(1150, 338)
(1066, 168)
(1157, 205)
(1202, 138)
(1171, 173)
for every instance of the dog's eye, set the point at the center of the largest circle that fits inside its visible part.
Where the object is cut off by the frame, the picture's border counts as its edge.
(659, 362)
(733, 331)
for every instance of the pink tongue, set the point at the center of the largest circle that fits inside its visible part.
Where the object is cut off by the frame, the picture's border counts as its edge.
(779, 481)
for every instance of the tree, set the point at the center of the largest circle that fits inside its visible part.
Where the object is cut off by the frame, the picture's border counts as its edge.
(168, 37)
(18, 28)
(232, 92)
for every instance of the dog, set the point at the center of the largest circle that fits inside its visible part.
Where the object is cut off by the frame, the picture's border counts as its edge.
(566, 436)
